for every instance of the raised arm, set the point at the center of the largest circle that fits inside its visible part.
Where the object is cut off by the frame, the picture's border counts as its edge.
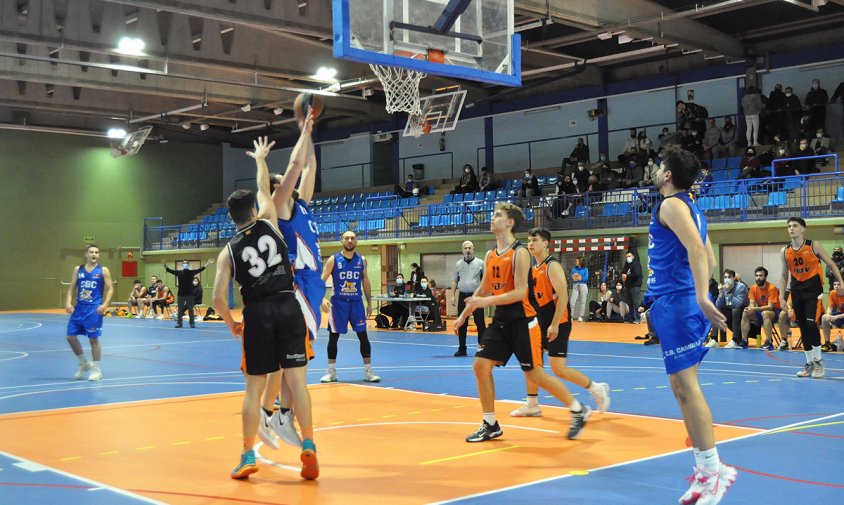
(306, 184)
(71, 291)
(266, 208)
(221, 288)
(109, 292)
(298, 158)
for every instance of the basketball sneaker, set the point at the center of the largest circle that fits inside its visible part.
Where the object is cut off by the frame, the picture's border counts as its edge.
(783, 345)
(732, 345)
(707, 488)
(310, 465)
(283, 425)
(527, 410)
(601, 395)
(826, 347)
(712, 343)
(82, 369)
(578, 421)
(265, 431)
(806, 371)
(96, 374)
(369, 375)
(485, 432)
(331, 376)
(817, 369)
(767, 347)
(246, 467)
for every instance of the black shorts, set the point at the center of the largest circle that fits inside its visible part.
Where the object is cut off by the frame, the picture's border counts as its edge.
(274, 335)
(559, 348)
(521, 337)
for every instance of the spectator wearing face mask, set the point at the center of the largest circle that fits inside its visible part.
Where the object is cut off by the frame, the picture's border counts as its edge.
(423, 290)
(407, 191)
(711, 139)
(751, 105)
(633, 175)
(397, 311)
(750, 167)
(563, 204)
(649, 177)
(631, 147)
(727, 141)
(580, 177)
(631, 276)
(816, 100)
(580, 154)
(468, 182)
(793, 113)
(820, 144)
(486, 182)
(185, 296)
(644, 147)
(838, 258)
(617, 304)
(602, 166)
(666, 138)
(732, 299)
(785, 167)
(530, 185)
(804, 166)
(776, 112)
(197, 292)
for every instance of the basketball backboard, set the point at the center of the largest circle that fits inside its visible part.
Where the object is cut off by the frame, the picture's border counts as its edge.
(131, 143)
(440, 113)
(475, 38)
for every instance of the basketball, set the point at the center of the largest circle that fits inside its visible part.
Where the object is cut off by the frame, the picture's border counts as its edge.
(303, 100)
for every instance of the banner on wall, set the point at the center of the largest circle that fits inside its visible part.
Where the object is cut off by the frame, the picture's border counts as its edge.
(129, 269)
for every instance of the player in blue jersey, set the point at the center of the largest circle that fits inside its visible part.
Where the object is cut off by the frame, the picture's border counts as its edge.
(680, 264)
(347, 270)
(91, 285)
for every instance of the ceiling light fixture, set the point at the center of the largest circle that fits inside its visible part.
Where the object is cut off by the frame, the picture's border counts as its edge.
(116, 133)
(131, 46)
(247, 107)
(186, 125)
(278, 111)
(203, 126)
(605, 35)
(624, 39)
(326, 74)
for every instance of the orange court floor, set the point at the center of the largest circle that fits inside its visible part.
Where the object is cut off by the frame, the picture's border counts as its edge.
(375, 445)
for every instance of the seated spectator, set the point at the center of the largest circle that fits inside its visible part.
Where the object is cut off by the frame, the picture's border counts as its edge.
(704, 179)
(486, 182)
(687, 140)
(666, 138)
(649, 177)
(711, 140)
(633, 176)
(580, 177)
(644, 147)
(397, 311)
(580, 153)
(837, 258)
(732, 299)
(820, 144)
(598, 308)
(834, 316)
(408, 190)
(750, 166)
(468, 181)
(785, 167)
(564, 186)
(160, 298)
(630, 146)
(617, 303)
(804, 166)
(530, 185)
(763, 309)
(138, 299)
(602, 166)
(197, 296)
(611, 181)
(727, 142)
(424, 290)
(594, 187)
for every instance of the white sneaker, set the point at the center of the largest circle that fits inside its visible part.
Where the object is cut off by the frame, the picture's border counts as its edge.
(265, 431)
(82, 369)
(580, 319)
(331, 376)
(96, 374)
(283, 425)
(527, 411)
(369, 376)
(160, 317)
(709, 487)
(712, 343)
(731, 345)
(601, 396)
(807, 370)
(818, 371)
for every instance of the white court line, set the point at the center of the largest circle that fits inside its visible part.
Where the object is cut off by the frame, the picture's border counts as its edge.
(22, 355)
(94, 483)
(144, 377)
(37, 325)
(112, 386)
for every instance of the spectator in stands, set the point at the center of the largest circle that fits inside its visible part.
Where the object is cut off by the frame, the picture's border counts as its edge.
(838, 258)
(408, 190)
(618, 303)
(630, 147)
(804, 166)
(611, 181)
(197, 294)
(775, 109)
(782, 168)
(644, 147)
(595, 187)
(649, 177)
(727, 143)
(751, 105)
(397, 311)
(579, 154)
(704, 179)
(580, 177)
(602, 166)
(530, 185)
(631, 276)
(563, 204)
(468, 181)
(688, 140)
(820, 144)
(138, 299)
(834, 316)
(666, 138)
(423, 290)
(160, 297)
(634, 174)
(839, 92)
(579, 289)
(711, 139)
(732, 299)
(486, 182)
(598, 308)
(793, 113)
(750, 166)
(816, 100)
(762, 311)
(691, 113)
(416, 273)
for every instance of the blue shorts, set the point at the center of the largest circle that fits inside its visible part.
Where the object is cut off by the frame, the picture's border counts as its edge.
(839, 323)
(310, 293)
(344, 312)
(681, 327)
(85, 321)
(760, 322)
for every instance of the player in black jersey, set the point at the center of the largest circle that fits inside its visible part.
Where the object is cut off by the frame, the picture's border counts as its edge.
(273, 326)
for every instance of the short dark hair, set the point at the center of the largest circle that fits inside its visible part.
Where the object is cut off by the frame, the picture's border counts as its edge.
(136, 281)
(89, 246)
(798, 220)
(683, 166)
(761, 269)
(541, 232)
(240, 205)
(414, 265)
(731, 272)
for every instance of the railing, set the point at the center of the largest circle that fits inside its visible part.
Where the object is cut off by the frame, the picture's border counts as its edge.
(781, 161)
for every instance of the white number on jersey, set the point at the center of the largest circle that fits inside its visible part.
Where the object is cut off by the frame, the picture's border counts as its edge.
(258, 264)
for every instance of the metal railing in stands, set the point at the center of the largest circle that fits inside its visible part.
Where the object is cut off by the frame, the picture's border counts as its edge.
(363, 182)
(782, 161)
(421, 158)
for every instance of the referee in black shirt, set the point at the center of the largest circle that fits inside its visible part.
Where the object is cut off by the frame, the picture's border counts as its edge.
(185, 294)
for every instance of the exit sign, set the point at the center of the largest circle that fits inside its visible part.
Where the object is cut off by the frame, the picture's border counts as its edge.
(88, 240)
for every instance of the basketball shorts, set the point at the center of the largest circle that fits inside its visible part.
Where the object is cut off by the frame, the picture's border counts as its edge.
(559, 347)
(839, 323)
(758, 321)
(274, 335)
(310, 291)
(85, 321)
(681, 328)
(345, 312)
(521, 337)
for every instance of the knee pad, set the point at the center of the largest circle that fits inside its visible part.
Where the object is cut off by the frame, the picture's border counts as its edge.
(333, 338)
(365, 346)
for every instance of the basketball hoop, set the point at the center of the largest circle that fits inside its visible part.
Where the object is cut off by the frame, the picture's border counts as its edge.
(117, 150)
(417, 125)
(401, 85)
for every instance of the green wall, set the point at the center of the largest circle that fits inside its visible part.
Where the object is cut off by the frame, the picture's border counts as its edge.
(58, 189)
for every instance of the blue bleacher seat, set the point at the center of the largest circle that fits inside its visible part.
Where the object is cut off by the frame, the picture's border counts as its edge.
(741, 201)
(722, 202)
(733, 162)
(609, 210)
(581, 211)
(458, 197)
(623, 209)
(541, 180)
(718, 164)
(552, 179)
(448, 198)
(501, 193)
(424, 221)
(529, 214)
(840, 195)
(705, 203)
(776, 198)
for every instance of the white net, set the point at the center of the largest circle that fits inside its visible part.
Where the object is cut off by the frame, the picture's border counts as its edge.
(401, 85)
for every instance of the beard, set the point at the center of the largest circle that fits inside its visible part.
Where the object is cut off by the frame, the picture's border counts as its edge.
(349, 247)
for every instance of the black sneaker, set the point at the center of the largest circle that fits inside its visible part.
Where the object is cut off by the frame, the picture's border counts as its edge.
(826, 347)
(460, 352)
(485, 432)
(578, 421)
(178, 326)
(654, 340)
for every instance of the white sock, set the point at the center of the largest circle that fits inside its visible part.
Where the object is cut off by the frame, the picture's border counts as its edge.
(575, 406)
(533, 400)
(810, 356)
(698, 457)
(82, 359)
(816, 350)
(97, 365)
(367, 368)
(709, 460)
(593, 387)
(489, 418)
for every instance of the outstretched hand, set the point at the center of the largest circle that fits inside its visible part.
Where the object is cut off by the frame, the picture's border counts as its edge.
(307, 126)
(262, 148)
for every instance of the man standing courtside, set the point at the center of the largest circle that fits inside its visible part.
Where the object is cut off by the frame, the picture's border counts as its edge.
(467, 277)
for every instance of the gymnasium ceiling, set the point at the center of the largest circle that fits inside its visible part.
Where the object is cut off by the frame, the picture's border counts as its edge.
(206, 59)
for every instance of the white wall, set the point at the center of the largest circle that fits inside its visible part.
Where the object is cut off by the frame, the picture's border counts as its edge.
(346, 164)
(239, 169)
(462, 142)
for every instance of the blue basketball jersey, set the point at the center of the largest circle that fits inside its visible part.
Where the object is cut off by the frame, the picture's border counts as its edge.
(348, 277)
(89, 286)
(302, 237)
(668, 260)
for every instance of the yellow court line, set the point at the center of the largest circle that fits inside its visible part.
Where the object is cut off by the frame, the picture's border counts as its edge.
(70, 458)
(186, 442)
(389, 416)
(109, 453)
(452, 458)
(805, 426)
(145, 448)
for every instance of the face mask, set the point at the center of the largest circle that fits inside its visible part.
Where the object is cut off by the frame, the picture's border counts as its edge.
(399, 281)
(603, 158)
(185, 266)
(728, 282)
(814, 86)
(693, 132)
(424, 285)
(650, 163)
(618, 287)
(527, 174)
(629, 259)
(466, 170)
(788, 94)
(819, 135)
(632, 135)
(803, 147)
(760, 282)
(580, 167)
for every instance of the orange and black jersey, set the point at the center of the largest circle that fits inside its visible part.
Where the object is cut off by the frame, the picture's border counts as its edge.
(805, 268)
(501, 278)
(544, 292)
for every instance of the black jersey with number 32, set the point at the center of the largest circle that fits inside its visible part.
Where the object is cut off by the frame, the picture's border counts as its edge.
(260, 262)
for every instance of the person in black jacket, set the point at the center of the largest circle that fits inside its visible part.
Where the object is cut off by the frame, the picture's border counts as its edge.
(631, 275)
(185, 295)
(423, 290)
(197, 293)
(397, 311)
